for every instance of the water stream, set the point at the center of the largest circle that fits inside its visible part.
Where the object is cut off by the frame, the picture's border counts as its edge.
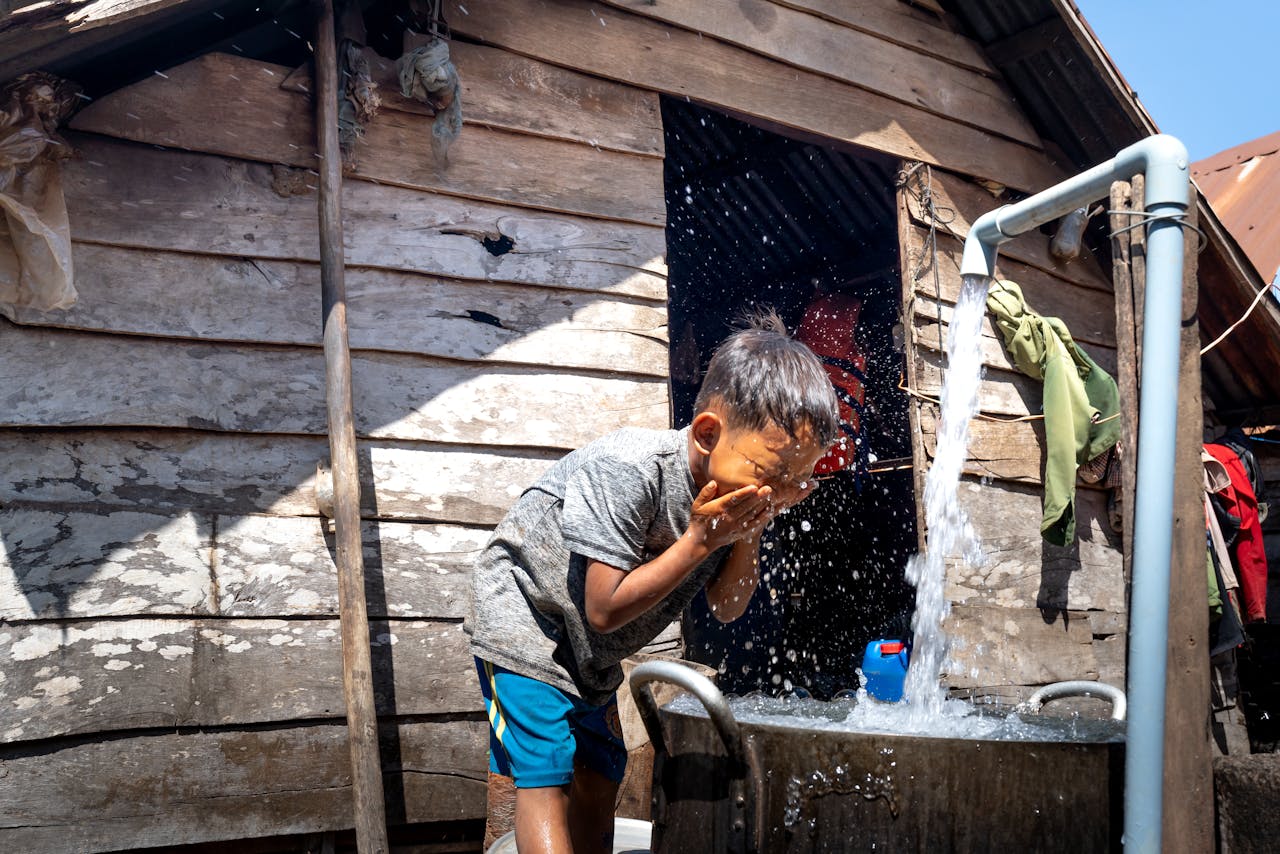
(949, 532)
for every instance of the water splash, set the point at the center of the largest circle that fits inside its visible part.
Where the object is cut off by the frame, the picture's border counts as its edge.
(949, 531)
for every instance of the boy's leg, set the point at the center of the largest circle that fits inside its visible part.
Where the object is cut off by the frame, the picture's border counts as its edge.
(531, 740)
(592, 797)
(599, 763)
(542, 821)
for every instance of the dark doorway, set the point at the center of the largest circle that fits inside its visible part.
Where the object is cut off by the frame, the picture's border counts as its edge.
(757, 219)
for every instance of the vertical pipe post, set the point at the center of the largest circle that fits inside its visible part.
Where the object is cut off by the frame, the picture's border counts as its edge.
(357, 672)
(1153, 531)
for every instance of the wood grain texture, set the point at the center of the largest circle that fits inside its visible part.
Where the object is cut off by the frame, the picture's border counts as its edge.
(1020, 570)
(510, 92)
(59, 564)
(674, 61)
(86, 677)
(105, 380)
(177, 788)
(931, 333)
(959, 201)
(848, 55)
(994, 646)
(279, 567)
(241, 111)
(180, 295)
(1088, 314)
(169, 471)
(903, 24)
(130, 195)
(1000, 393)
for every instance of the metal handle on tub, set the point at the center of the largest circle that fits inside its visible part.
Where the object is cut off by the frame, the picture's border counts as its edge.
(1080, 688)
(721, 718)
(697, 685)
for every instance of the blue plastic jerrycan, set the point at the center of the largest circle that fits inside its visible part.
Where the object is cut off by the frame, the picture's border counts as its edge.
(884, 665)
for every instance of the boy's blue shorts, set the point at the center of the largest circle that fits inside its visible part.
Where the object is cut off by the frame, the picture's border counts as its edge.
(536, 730)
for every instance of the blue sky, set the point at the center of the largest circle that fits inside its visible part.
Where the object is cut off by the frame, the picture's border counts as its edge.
(1205, 71)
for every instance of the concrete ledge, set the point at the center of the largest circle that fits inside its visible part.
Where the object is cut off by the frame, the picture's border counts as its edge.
(1245, 790)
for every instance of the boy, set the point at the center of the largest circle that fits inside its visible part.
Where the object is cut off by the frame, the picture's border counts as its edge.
(608, 547)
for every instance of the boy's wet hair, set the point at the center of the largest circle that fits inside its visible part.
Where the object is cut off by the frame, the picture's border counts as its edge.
(760, 376)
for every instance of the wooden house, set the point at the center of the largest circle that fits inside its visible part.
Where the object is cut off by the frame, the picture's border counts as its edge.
(629, 174)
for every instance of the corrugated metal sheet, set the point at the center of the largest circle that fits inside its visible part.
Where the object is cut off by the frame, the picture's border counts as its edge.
(1243, 185)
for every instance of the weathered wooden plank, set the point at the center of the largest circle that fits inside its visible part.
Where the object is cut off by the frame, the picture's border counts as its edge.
(993, 646)
(181, 295)
(510, 92)
(168, 471)
(130, 195)
(932, 334)
(106, 380)
(58, 564)
(83, 677)
(1088, 314)
(898, 22)
(1020, 570)
(177, 788)
(234, 106)
(848, 55)
(959, 202)
(268, 566)
(649, 54)
(999, 392)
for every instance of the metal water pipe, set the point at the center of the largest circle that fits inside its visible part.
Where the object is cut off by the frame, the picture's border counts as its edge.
(1162, 159)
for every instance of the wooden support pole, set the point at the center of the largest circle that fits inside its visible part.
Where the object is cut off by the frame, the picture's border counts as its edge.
(357, 673)
(1188, 755)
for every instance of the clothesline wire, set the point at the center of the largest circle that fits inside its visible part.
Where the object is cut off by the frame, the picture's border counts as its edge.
(1146, 218)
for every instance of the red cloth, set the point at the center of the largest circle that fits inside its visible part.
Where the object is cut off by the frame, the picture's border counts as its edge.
(1251, 559)
(829, 329)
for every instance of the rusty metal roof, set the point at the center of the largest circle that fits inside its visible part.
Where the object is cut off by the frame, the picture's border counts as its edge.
(1243, 186)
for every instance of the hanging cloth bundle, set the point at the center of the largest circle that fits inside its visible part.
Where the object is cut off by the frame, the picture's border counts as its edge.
(33, 212)
(428, 75)
(358, 99)
(1080, 401)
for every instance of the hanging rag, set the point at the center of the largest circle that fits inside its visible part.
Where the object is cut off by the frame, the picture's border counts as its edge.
(1250, 555)
(428, 75)
(36, 272)
(1080, 401)
(358, 99)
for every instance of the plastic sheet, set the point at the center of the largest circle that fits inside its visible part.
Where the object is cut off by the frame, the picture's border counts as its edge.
(35, 235)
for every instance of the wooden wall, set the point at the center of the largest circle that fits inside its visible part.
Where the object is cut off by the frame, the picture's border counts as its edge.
(166, 593)
(167, 587)
(1033, 613)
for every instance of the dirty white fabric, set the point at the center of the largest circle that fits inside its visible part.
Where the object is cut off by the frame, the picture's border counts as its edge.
(35, 235)
(427, 74)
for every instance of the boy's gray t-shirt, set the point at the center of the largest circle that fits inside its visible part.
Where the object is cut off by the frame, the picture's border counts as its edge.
(622, 500)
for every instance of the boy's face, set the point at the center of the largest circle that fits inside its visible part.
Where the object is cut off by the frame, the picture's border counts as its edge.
(770, 457)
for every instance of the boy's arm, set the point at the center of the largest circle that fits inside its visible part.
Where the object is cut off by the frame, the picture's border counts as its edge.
(730, 591)
(615, 597)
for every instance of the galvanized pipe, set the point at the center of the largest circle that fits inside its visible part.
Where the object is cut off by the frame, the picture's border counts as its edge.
(357, 673)
(1079, 688)
(1163, 160)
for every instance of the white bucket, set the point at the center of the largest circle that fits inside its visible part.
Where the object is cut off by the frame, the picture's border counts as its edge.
(630, 836)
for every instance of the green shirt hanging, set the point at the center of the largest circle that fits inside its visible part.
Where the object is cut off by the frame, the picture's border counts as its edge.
(1080, 401)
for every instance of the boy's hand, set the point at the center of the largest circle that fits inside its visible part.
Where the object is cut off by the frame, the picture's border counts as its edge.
(719, 520)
